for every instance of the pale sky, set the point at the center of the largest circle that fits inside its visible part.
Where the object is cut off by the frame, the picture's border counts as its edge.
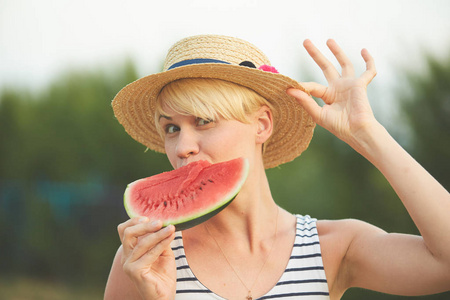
(41, 39)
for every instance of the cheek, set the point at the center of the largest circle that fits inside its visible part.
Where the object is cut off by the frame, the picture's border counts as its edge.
(232, 143)
(170, 152)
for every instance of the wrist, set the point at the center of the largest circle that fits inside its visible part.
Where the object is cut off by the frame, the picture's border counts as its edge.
(371, 141)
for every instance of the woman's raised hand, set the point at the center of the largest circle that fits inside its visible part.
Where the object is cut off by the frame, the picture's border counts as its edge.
(147, 257)
(347, 112)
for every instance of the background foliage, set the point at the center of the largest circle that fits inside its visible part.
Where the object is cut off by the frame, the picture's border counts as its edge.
(65, 161)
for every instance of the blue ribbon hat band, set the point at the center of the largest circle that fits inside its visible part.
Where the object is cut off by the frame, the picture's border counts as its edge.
(197, 61)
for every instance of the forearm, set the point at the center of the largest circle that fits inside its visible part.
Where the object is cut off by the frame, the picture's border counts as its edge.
(427, 201)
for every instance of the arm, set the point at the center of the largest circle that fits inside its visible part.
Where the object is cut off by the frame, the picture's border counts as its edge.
(415, 265)
(374, 259)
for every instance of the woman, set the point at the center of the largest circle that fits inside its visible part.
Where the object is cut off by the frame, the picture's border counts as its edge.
(219, 99)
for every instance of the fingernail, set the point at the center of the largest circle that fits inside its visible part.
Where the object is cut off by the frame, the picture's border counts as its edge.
(143, 220)
(155, 223)
(169, 228)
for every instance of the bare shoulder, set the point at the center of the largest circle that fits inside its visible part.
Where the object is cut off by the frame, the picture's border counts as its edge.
(358, 254)
(345, 228)
(336, 237)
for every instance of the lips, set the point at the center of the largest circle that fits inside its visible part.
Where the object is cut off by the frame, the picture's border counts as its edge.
(185, 162)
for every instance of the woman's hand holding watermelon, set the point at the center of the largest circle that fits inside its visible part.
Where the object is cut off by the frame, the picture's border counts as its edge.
(147, 258)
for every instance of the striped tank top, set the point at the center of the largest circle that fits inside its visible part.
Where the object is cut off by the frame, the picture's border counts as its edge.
(304, 277)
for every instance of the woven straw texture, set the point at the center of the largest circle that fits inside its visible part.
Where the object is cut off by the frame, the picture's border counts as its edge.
(134, 105)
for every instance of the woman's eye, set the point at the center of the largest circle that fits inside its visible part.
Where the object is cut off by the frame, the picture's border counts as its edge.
(201, 122)
(171, 128)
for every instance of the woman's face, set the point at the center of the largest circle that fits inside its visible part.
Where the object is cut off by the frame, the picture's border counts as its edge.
(188, 139)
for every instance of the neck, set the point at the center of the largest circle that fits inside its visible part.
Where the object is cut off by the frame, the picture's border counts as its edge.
(251, 217)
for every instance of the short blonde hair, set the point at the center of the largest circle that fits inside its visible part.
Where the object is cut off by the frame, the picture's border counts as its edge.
(208, 99)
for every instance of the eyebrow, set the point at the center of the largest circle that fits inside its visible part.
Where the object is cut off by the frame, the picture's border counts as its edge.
(165, 117)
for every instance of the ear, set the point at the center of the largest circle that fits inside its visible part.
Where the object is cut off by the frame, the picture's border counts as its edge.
(264, 120)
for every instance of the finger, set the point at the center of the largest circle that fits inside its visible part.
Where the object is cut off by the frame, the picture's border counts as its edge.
(315, 89)
(130, 222)
(307, 102)
(132, 234)
(344, 61)
(144, 263)
(151, 247)
(158, 250)
(327, 67)
(371, 70)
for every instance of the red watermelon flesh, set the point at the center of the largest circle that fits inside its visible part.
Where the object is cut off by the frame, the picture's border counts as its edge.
(187, 196)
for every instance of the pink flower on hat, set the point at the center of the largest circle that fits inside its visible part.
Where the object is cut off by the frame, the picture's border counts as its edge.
(268, 69)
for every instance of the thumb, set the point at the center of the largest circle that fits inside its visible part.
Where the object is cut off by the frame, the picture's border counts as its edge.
(307, 102)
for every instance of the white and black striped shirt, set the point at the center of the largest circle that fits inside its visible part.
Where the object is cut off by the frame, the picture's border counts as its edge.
(304, 277)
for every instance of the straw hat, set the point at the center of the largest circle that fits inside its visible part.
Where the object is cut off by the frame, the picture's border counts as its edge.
(226, 58)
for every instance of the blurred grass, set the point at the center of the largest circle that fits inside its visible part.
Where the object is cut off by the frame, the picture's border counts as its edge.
(27, 288)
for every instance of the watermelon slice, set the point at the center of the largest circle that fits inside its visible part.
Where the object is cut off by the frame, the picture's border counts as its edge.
(189, 195)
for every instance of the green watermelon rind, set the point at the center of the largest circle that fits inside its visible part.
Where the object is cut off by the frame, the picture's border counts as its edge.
(202, 216)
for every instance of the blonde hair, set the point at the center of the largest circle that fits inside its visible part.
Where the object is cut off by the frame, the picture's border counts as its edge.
(208, 99)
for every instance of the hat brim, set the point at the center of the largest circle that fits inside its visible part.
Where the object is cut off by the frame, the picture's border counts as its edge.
(134, 107)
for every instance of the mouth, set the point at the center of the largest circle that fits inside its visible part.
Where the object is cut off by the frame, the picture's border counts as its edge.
(185, 163)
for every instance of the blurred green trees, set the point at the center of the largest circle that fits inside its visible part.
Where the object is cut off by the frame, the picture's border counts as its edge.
(68, 131)
(425, 106)
(65, 162)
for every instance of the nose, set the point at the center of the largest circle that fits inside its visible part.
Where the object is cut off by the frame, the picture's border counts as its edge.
(187, 144)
